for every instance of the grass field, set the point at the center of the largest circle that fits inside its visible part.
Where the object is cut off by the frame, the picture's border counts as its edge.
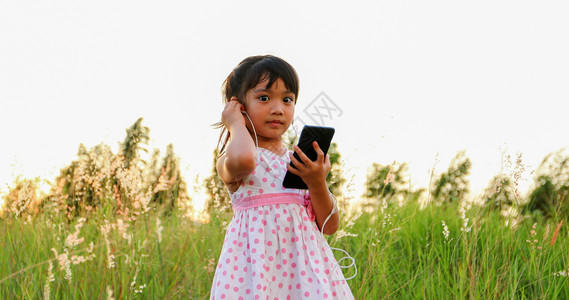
(402, 252)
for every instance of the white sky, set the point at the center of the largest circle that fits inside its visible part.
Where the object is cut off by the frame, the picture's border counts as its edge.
(412, 78)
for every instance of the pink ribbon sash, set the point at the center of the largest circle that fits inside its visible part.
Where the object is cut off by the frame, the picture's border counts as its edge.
(276, 198)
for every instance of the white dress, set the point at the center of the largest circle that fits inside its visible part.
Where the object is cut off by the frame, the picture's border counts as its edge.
(272, 247)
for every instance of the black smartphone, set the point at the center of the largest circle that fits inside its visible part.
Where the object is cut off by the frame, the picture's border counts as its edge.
(309, 134)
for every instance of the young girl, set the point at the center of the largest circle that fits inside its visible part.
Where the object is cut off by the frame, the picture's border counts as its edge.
(273, 247)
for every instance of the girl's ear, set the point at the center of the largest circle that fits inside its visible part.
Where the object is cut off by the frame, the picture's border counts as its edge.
(234, 98)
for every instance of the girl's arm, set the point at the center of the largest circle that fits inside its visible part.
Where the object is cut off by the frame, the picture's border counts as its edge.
(314, 173)
(240, 156)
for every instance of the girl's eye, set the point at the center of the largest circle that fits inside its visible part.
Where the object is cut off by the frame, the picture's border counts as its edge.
(288, 100)
(264, 98)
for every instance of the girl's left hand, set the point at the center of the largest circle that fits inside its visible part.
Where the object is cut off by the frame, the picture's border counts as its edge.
(312, 172)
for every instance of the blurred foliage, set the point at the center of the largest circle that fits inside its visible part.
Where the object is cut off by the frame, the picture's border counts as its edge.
(137, 137)
(499, 194)
(453, 184)
(169, 188)
(86, 183)
(22, 199)
(550, 195)
(218, 200)
(384, 181)
(125, 184)
(121, 183)
(389, 183)
(335, 178)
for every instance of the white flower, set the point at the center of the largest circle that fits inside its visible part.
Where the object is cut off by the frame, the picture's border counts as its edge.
(50, 278)
(341, 233)
(64, 262)
(159, 229)
(110, 257)
(134, 279)
(465, 227)
(73, 240)
(210, 265)
(122, 230)
(564, 273)
(110, 293)
(533, 234)
(446, 232)
(389, 178)
(140, 288)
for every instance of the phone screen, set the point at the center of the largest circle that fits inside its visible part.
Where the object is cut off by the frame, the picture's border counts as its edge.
(322, 135)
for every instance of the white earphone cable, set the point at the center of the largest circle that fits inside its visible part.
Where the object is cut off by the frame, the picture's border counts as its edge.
(334, 210)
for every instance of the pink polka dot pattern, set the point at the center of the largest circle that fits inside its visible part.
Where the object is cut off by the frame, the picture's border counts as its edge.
(274, 251)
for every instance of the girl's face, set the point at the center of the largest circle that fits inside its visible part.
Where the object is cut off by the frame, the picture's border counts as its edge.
(271, 110)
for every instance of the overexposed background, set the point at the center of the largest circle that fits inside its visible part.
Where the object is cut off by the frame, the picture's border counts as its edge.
(413, 79)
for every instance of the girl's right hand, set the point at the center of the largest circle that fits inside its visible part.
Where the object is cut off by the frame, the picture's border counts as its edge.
(232, 113)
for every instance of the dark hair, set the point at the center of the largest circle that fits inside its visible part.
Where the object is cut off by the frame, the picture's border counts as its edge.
(247, 75)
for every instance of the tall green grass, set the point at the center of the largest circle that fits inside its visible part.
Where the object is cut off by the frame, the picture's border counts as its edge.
(401, 253)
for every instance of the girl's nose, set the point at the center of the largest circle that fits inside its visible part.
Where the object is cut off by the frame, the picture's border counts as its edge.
(277, 108)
